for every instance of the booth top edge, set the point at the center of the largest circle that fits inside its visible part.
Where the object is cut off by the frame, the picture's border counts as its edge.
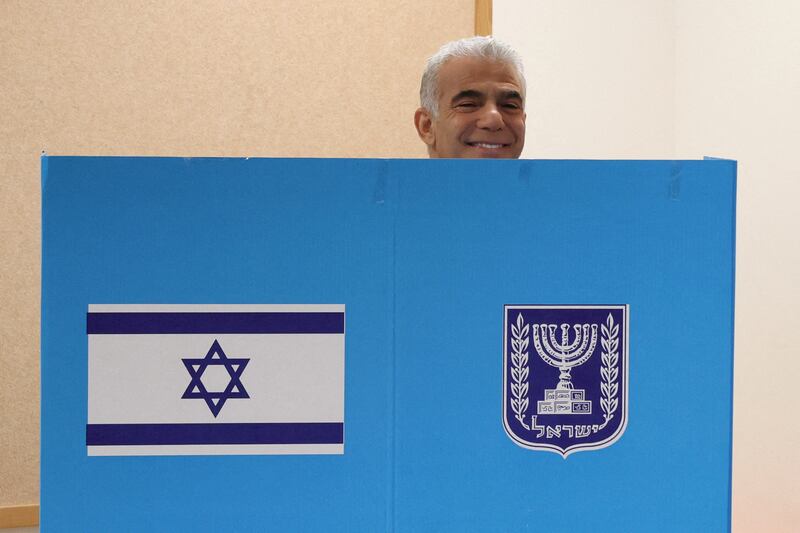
(45, 156)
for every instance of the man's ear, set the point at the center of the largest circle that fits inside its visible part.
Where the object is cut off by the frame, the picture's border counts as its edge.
(424, 123)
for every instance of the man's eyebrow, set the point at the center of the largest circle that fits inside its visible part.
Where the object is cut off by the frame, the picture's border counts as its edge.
(511, 94)
(468, 93)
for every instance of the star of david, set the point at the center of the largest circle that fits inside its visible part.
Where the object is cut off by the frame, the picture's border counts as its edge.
(215, 357)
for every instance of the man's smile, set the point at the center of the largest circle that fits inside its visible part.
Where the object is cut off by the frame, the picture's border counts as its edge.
(489, 146)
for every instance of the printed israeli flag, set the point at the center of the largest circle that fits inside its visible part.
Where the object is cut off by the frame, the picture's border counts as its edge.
(215, 379)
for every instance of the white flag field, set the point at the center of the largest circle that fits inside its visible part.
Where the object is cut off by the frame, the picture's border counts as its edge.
(215, 379)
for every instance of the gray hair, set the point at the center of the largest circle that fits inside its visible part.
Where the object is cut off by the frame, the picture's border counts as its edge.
(480, 47)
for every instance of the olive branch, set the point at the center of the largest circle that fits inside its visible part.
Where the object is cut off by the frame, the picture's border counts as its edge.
(609, 387)
(519, 369)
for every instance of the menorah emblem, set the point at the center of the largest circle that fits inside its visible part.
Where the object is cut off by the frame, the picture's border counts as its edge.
(586, 407)
(564, 399)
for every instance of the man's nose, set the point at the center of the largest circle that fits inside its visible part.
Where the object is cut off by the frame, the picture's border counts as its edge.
(490, 118)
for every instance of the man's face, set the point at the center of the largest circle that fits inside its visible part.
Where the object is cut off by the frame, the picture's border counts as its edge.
(481, 111)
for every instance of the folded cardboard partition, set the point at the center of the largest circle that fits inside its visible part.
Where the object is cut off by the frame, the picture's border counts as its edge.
(386, 345)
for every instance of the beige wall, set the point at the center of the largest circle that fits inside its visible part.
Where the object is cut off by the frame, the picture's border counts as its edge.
(687, 78)
(261, 78)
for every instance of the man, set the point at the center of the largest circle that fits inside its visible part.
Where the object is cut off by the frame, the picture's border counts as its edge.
(472, 101)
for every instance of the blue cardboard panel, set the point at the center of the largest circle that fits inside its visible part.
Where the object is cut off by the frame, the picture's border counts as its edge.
(425, 255)
(472, 237)
(139, 230)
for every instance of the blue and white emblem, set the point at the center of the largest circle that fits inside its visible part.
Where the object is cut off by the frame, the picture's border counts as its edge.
(565, 376)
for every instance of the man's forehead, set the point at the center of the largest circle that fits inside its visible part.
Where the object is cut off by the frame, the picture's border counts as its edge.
(474, 73)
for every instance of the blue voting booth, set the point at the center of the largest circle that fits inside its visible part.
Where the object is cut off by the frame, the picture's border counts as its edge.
(386, 345)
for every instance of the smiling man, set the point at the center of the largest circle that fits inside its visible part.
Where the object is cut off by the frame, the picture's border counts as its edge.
(472, 101)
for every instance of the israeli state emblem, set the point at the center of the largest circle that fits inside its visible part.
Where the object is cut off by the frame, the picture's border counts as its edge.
(565, 376)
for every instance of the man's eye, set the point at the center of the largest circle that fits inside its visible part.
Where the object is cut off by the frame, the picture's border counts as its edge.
(511, 105)
(466, 105)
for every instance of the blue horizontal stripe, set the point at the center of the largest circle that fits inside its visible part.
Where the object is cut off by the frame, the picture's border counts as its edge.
(165, 434)
(165, 323)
